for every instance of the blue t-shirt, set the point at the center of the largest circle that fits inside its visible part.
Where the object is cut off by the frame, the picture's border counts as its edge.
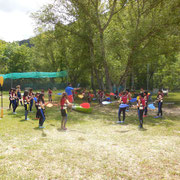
(68, 90)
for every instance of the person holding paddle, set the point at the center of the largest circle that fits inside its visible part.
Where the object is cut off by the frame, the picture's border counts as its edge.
(64, 103)
(123, 101)
(41, 109)
(26, 102)
(69, 90)
(31, 96)
(160, 103)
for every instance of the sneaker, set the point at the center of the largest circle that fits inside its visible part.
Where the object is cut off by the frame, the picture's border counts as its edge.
(118, 122)
(27, 119)
(41, 127)
(14, 112)
(127, 110)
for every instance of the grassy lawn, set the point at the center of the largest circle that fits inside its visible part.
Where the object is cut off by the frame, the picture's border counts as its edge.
(93, 147)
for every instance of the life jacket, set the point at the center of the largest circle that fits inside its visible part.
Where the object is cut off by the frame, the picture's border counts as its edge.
(39, 105)
(158, 98)
(50, 92)
(142, 104)
(124, 99)
(13, 96)
(63, 103)
(25, 101)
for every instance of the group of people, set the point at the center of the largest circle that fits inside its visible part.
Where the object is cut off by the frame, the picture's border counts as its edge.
(142, 105)
(27, 100)
(67, 100)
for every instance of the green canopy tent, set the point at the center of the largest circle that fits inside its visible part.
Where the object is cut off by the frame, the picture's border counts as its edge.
(33, 75)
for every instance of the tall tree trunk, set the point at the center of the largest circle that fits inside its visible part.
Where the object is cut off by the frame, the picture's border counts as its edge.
(103, 54)
(93, 68)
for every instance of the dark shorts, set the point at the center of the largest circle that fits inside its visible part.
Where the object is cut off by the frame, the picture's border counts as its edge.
(63, 112)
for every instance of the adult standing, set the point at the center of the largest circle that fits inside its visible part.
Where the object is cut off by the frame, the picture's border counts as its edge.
(69, 90)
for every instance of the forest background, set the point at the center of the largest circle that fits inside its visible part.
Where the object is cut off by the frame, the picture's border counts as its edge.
(102, 44)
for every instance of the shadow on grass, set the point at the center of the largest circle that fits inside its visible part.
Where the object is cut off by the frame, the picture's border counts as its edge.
(23, 120)
(133, 119)
(41, 130)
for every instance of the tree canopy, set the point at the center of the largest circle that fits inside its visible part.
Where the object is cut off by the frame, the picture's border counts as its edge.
(104, 43)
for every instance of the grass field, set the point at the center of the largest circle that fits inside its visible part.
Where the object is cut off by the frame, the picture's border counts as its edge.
(93, 147)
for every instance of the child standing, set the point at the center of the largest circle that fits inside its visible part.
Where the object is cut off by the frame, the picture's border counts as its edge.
(50, 95)
(14, 100)
(146, 97)
(31, 96)
(122, 100)
(160, 103)
(10, 98)
(41, 108)
(64, 104)
(26, 103)
(19, 94)
(141, 105)
(36, 105)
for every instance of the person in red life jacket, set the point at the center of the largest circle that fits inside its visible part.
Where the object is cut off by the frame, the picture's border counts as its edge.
(14, 100)
(89, 96)
(31, 96)
(64, 103)
(26, 102)
(10, 98)
(141, 105)
(100, 96)
(129, 97)
(69, 90)
(37, 104)
(146, 98)
(160, 103)
(50, 94)
(122, 100)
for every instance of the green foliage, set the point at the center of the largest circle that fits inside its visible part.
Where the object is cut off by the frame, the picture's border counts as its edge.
(102, 43)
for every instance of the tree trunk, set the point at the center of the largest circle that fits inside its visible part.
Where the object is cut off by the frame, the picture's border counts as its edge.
(103, 54)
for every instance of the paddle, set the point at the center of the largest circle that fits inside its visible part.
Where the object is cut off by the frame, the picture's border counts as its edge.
(151, 106)
(123, 105)
(108, 102)
(85, 105)
(133, 100)
(80, 96)
(111, 94)
(49, 105)
(35, 99)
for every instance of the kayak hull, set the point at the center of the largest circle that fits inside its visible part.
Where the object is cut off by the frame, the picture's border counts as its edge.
(81, 109)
